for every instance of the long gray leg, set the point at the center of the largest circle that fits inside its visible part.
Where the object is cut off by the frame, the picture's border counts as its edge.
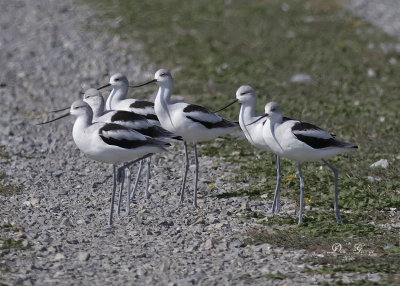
(276, 206)
(133, 195)
(128, 192)
(196, 175)
(110, 222)
(301, 195)
(146, 193)
(121, 180)
(336, 203)
(186, 166)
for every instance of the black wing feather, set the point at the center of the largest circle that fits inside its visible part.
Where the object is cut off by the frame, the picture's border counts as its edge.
(210, 125)
(127, 116)
(320, 143)
(303, 126)
(126, 143)
(193, 108)
(142, 104)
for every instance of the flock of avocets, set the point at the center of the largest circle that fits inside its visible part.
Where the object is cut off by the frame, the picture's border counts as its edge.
(125, 131)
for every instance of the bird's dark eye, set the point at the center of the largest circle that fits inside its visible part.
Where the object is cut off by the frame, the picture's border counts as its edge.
(163, 74)
(117, 79)
(243, 93)
(273, 109)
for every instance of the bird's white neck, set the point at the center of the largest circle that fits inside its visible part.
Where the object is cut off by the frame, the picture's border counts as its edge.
(82, 122)
(165, 92)
(116, 95)
(98, 109)
(271, 126)
(247, 116)
(247, 112)
(163, 100)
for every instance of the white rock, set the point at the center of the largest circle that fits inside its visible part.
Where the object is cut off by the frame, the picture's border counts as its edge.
(59, 256)
(301, 77)
(374, 278)
(374, 179)
(35, 201)
(265, 269)
(83, 256)
(371, 73)
(209, 244)
(381, 163)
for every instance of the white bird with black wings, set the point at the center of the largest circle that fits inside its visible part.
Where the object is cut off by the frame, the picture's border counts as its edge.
(193, 122)
(302, 142)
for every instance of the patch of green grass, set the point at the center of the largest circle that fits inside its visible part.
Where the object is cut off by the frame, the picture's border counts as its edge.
(385, 281)
(350, 246)
(9, 227)
(358, 263)
(3, 152)
(12, 243)
(24, 155)
(8, 189)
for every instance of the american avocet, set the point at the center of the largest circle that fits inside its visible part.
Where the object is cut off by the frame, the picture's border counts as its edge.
(117, 101)
(193, 122)
(301, 142)
(248, 98)
(110, 143)
(128, 119)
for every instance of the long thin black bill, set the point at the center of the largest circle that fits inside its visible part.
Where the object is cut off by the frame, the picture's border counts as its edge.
(62, 116)
(146, 83)
(258, 119)
(58, 110)
(233, 102)
(104, 86)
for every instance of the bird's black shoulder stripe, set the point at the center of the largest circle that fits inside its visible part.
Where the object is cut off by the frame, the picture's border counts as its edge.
(193, 108)
(141, 104)
(284, 119)
(151, 117)
(210, 125)
(124, 143)
(127, 116)
(320, 143)
(303, 126)
(112, 127)
(152, 131)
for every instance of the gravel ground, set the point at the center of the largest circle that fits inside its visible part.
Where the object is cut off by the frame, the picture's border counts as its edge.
(61, 212)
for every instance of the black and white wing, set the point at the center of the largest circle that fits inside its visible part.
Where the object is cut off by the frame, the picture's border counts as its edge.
(208, 119)
(141, 124)
(124, 137)
(145, 108)
(129, 119)
(316, 137)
